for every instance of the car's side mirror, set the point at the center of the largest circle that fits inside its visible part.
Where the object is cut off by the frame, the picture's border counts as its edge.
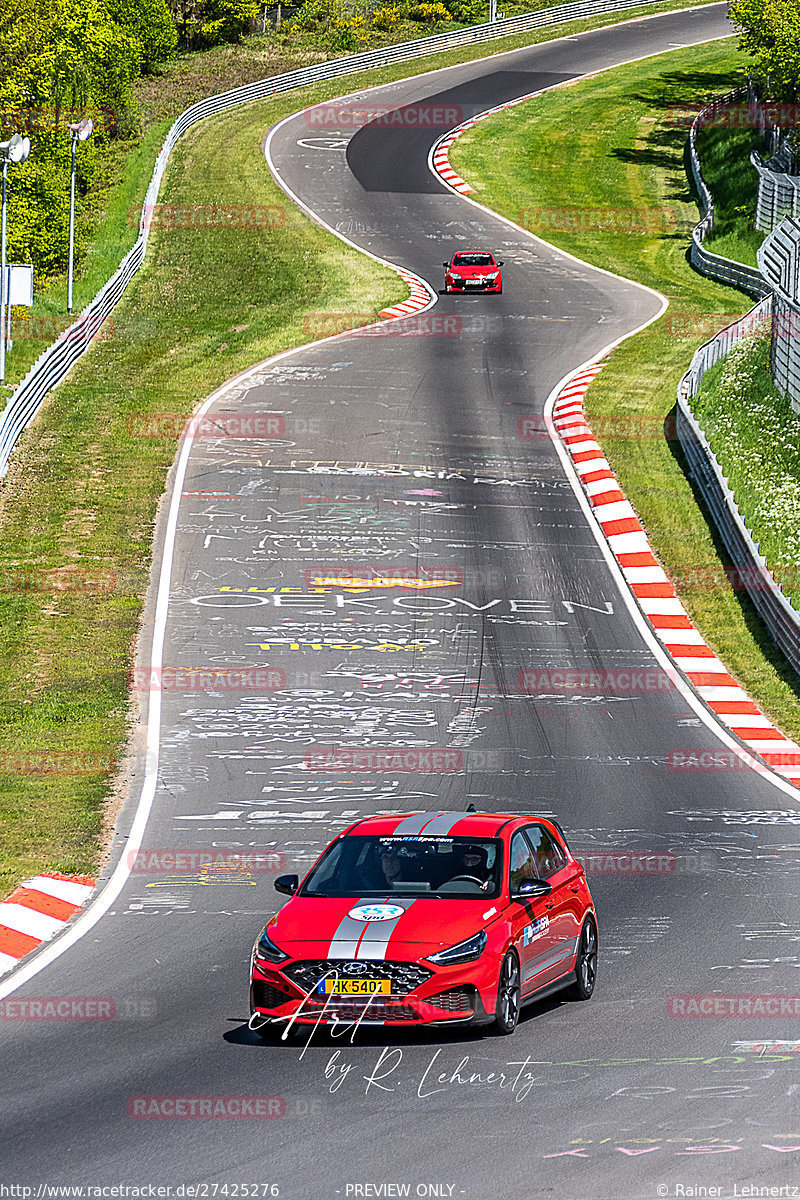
(532, 887)
(445, 264)
(500, 262)
(287, 884)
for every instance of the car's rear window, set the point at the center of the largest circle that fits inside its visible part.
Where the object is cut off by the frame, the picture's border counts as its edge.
(473, 260)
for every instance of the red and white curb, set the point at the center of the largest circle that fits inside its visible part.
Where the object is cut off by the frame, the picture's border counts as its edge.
(419, 298)
(439, 158)
(37, 910)
(655, 594)
(441, 161)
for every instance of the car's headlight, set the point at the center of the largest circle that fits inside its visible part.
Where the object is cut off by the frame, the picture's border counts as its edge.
(466, 951)
(266, 949)
(493, 275)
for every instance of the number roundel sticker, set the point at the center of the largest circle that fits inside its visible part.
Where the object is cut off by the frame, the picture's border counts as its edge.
(376, 912)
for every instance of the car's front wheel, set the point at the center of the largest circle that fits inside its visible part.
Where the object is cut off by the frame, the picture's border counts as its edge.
(509, 995)
(586, 963)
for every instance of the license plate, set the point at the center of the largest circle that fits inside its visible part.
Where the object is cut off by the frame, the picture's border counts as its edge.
(354, 987)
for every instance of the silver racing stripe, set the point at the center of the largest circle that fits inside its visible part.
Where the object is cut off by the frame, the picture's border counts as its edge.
(414, 824)
(442, 824)
(435, 823)
(344, 943)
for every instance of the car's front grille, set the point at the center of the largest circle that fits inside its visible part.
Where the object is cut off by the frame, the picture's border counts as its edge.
(459, 1000)
(404, 976)
(265, 996)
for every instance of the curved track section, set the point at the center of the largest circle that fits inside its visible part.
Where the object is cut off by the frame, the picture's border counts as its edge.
(402, 454)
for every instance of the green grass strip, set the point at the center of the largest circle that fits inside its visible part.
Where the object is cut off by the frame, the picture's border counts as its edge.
(610, 140)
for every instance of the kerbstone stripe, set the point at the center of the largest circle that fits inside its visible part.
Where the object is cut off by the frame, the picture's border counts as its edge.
(658, 599)
(37, 910)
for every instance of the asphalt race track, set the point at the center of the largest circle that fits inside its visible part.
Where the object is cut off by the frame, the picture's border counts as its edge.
(401, 454)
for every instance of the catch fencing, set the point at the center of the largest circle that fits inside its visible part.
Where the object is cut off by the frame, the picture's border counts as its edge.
(779, 260)
(715, 266)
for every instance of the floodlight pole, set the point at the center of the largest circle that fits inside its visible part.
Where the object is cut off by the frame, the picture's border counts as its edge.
(77, 133)
(74, 140)
(492, 10)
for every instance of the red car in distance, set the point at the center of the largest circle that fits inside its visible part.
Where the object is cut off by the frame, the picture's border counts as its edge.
(473, 271)
(427, 919)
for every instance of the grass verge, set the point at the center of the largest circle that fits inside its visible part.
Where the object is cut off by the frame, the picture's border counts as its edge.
(628, 157)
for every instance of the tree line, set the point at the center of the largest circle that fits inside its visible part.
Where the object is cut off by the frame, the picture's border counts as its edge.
(62, 60)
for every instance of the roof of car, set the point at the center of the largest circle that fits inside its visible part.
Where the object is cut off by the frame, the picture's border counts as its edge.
(443, 824)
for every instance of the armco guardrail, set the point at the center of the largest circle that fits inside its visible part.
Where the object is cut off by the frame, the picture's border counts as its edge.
(776, 611)
(57, 360)
(723, 270)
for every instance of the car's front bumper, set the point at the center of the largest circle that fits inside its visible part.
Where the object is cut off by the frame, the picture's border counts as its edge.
(461, 285)
(462, 994)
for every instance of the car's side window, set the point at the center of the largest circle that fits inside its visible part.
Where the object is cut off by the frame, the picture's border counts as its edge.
(522, 864)
(549, 855)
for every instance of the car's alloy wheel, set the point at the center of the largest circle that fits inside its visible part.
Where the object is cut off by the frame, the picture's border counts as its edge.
(586, 964)
(509, 995)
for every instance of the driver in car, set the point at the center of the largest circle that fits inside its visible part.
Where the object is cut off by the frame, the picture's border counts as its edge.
(472, 862)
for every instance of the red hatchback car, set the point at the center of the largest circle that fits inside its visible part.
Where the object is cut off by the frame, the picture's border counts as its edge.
(428, 919)
(473, 271)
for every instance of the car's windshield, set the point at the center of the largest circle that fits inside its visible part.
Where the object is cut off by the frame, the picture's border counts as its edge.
(366, 866)
(473, 260)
